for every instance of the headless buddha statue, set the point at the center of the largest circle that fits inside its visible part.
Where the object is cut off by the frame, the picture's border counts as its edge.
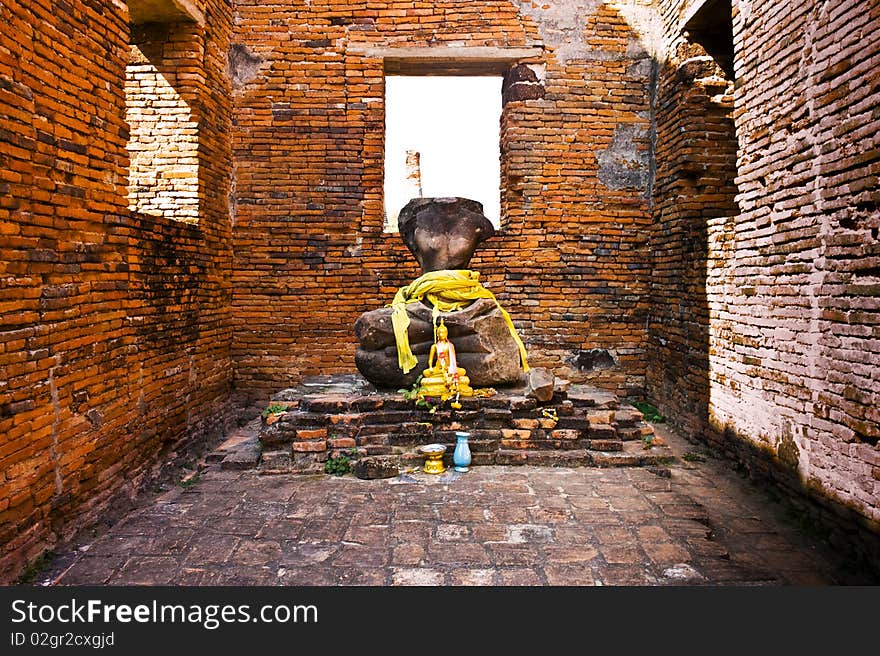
(443, 378)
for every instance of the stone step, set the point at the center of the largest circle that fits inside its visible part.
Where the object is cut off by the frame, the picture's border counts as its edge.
(634, 454)
(542, 444)
(605, 445)
(601, 432)
(547, 458)
(581, 425)
(585, 396)
(638, 433)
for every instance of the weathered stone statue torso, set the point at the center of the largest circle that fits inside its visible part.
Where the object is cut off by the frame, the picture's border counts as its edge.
(443, 233)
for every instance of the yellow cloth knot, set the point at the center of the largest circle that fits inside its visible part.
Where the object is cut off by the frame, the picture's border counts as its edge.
(447, 290)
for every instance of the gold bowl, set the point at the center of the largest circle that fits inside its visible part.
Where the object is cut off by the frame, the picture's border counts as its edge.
(433, 458)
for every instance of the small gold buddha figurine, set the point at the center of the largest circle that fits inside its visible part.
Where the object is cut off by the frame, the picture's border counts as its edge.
(443, 378)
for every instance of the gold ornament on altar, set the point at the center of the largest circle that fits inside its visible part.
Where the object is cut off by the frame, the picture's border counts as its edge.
(433, 458)
(444, 379)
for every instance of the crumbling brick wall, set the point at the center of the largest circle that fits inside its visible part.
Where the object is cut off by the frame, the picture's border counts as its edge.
(793, 297)
(789, 340)
(570, 262)
(694, 196)
(114, 330)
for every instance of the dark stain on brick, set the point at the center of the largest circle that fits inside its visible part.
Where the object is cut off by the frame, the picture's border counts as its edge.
(592, 359)
(243, 65)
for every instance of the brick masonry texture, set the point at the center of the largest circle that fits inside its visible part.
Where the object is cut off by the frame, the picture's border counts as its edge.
(571, 260)
(646, 246)
(326, 417)
(793, 287)
(778, 353)
(694, 189)
(114, 326)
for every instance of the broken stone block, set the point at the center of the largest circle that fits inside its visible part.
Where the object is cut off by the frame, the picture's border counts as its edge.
(589, 397)
(245, 456)
(540, 384)
(521, 403)
(593, 359)
(606, 445)
(309, 447)
(521, 83)
(373, 467)
(275, 459)
(565, 434)
(600, 417)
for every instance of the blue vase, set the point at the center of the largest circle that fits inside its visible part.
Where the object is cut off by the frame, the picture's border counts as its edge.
(461, 457)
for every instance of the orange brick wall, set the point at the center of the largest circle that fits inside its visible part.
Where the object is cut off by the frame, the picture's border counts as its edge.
(571, 260)
(114, 328)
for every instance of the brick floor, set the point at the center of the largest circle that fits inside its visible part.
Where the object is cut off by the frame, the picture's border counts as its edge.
(680, 524)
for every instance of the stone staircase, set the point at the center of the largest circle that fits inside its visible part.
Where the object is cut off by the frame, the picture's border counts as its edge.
(579, 426)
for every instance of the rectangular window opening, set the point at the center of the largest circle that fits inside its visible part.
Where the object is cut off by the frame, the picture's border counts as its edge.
(163, 142)
(442, 139)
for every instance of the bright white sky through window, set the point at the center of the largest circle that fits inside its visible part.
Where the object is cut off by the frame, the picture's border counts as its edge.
(454, 124)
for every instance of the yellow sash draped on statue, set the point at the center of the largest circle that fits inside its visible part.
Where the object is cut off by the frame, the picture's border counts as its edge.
(447, 290)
